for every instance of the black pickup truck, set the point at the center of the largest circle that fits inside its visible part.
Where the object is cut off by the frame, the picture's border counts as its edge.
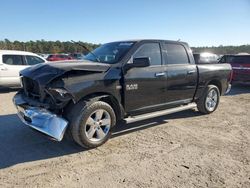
(123, 81)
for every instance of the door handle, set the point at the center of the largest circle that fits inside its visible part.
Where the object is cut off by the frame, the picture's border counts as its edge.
(3, 68)
(159, 74)
(191, 72)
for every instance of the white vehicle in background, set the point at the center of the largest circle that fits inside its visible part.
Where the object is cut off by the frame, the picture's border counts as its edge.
(205, 58)
(12, 62)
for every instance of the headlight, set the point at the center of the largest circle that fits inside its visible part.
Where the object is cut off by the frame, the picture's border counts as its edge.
(59, 94)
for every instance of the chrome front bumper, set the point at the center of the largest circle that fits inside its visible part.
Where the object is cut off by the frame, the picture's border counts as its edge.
(40, 119)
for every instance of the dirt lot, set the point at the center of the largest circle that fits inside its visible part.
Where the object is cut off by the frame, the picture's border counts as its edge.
(186, 149)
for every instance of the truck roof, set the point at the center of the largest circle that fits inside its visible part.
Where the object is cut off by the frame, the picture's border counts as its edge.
(152, 40)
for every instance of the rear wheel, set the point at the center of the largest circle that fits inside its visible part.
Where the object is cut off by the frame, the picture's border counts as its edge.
(209, 101)
(91, 123)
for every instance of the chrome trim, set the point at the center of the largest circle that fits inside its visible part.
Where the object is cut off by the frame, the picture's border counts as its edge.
(241, 68)
(41, 119)
(229, 87)
(160, 113)
(159, 74)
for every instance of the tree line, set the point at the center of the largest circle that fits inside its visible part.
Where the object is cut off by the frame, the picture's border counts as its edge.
(46, 47)
(51, 47)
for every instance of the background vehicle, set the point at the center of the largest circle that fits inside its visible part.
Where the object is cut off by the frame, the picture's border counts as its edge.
(240, 65)
(205, 58)
(58, 57)
(120, 81)
(45, 56)
(78, 56)
(12, 62)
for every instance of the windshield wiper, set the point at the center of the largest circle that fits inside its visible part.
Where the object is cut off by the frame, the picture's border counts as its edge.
(84, 47)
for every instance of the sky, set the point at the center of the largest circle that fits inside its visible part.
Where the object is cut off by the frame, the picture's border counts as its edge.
(198, 22)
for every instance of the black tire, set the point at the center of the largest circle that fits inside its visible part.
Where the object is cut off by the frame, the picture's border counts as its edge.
(201, 103)
(78, 117)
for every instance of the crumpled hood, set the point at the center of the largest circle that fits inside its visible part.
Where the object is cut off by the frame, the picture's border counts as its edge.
(45, 72)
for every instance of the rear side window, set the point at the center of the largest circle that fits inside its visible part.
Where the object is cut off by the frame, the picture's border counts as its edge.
(151, 50)
(13, 59)
(176, 54)
(33, 60)
(246, 60)
(242, 59)
(238, 60)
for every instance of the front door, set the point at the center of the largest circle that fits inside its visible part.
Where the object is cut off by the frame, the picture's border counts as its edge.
(145, 87)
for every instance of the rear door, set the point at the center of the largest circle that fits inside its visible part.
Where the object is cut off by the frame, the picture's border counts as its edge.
(181, 74)
(145, 87)
(9, 72)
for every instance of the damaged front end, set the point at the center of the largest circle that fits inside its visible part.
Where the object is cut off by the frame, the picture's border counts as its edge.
(40, 118)
(41, 101)
(41, 108)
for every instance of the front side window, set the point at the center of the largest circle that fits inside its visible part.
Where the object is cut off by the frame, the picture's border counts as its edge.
(151, 50)
(229, 59)
(33, 60)
(13, 59)
(222, 60)
(176, 54)
(110, 53)
(50, 56)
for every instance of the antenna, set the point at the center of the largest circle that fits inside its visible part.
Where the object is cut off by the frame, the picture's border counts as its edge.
(82, 45)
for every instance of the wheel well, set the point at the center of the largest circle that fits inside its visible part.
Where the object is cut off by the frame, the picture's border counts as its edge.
(216, 83)
(108, 98)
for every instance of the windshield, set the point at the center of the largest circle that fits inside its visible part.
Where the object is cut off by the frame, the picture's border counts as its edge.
(110, 53)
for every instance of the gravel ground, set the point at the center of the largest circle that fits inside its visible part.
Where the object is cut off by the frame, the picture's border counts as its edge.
(185, 149)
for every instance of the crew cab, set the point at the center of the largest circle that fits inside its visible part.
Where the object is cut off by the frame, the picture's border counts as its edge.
(124, 81)
(12, 62)
(240, 65)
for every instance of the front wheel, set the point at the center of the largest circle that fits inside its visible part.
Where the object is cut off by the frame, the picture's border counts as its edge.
(91, 123)
(209, 101)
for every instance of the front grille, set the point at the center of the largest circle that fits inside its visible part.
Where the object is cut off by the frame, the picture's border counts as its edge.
(31, 88)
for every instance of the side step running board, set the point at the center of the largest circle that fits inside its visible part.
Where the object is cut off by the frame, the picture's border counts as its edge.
(159, 113)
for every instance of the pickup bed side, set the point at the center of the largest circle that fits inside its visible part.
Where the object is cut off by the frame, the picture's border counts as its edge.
(216, 74)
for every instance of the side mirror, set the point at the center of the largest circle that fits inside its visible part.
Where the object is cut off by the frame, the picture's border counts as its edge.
(140, 62)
